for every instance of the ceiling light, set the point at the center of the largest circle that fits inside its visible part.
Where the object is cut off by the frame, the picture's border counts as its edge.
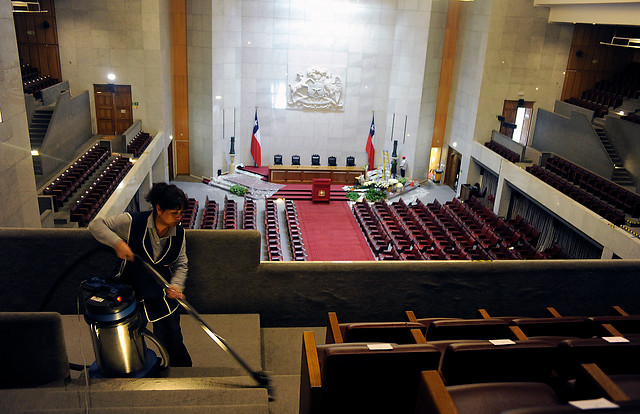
(35, 153)
(623, 42)
(111, 77)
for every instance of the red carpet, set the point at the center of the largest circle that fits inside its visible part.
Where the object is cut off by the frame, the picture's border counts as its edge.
(330, 232)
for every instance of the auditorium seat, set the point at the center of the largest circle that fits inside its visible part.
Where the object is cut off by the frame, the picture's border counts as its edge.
(351, 161)
(295, 160)
(277, 159)
(332, 162)
(315, 159)
(388, 332)
(358, 378)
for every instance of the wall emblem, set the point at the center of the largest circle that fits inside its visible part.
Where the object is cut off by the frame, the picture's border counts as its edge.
(316, 89)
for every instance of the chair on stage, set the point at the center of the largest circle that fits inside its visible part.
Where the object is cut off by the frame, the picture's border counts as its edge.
(332, 161)
(295, 160)
(351, 161)
(315, 159)
(277, 159)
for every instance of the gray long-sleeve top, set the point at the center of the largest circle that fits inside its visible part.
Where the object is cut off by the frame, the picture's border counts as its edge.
(112, 230)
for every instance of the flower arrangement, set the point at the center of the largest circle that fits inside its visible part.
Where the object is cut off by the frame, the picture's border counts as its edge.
(238, 190)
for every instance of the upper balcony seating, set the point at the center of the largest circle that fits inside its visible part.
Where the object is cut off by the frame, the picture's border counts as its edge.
(599, 110)
(28, 73)
(298, 251)
(230, 214)
(579, 193)
(74, 176)
(209, 218)
(139, 143)
(272, 231)
(633, 117)
(36, 85)
(95, 197)
(189, 214)
(249, 214)
(502, 150)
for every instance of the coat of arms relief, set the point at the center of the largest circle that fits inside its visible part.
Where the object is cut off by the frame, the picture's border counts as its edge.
(316, 89)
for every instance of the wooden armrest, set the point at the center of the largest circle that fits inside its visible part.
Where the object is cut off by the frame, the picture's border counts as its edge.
(310, 378)
(433, 396)
(484, 314)
(334, 336)
(595, 375)
(553, 312)
(411, 317)
(418, 336)
(518, 333)
(611, 330)
(620, 311)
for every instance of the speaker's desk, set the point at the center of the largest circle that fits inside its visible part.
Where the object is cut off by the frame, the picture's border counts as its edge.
(304, 174)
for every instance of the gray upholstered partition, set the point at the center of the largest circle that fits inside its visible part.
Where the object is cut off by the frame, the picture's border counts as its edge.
(225, 276)
(572, 138)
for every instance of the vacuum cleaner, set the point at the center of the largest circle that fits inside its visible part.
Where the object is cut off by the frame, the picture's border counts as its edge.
(261, 377)
(118, 332)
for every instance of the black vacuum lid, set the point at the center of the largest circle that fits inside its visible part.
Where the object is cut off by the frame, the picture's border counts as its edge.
(107, 301)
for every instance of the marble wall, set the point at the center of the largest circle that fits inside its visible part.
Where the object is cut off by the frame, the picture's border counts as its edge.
(376, 47)
(508, 51)
(122, 37)
(19, 206)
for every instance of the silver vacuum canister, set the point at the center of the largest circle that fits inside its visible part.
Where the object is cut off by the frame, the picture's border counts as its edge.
(116, 327)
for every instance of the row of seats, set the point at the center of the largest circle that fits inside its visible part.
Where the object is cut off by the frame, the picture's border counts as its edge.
(189, 214)
(209, 214)
(315, 160)
(28, 72)
(627, 87)
(602, 97)
(588, 200)
(272, 230)
(453, 365)
(502, 150)
(36, 85)
(606, 190)
(74, 176)
(298, 251)
(230, 214)
(138, 143)
(633, 117)
(94, 198)
(454, 231)
(249, 215)
(599, 110)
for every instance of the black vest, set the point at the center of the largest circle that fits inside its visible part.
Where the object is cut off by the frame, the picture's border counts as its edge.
(150, 292)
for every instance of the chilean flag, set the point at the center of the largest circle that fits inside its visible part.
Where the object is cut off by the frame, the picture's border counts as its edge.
(256, 143)
(371, 151)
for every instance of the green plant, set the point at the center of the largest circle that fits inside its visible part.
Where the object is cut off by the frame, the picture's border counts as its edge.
(402, 180)
(238, 190)
(353, 196)
(374, 195)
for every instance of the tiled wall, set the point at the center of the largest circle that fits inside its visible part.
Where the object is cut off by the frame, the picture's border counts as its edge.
(19, 206)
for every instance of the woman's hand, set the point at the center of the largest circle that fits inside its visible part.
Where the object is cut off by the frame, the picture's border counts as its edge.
(123, 251)
(174, 292)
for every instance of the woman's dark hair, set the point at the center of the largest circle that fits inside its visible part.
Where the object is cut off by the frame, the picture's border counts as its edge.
(166, 196)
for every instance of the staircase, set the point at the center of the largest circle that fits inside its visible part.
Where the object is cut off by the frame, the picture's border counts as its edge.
(620, 174)
(37, 131)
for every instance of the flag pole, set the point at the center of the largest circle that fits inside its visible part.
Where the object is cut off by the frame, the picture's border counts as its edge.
(393, 123)
(404, 136)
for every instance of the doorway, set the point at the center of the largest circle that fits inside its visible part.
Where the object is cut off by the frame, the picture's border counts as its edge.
(452, 169)
(113, 108)
(517, 120)
(170, 161)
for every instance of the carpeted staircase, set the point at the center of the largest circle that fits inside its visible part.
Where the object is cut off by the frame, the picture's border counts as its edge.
(303, 192)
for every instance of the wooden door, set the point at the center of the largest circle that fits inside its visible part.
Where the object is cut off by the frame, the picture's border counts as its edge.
(113, 108)
(170, 158)
(452, 171)
(510, 112)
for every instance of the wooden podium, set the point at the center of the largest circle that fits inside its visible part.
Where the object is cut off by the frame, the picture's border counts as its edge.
(321, 190)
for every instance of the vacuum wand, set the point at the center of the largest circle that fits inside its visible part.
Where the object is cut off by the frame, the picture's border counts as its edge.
(261, 377)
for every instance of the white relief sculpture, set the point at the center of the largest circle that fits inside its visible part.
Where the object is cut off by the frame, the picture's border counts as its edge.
(316, 90)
